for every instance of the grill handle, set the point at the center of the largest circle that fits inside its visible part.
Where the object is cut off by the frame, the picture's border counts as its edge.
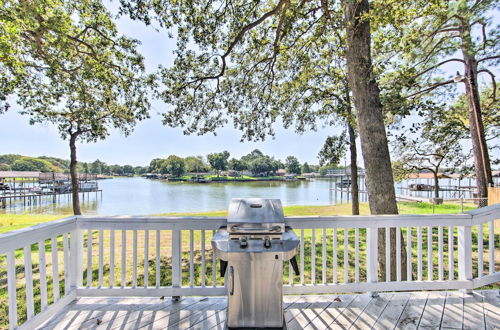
(256, 229)
(295, 267)
(231, 280)
(223, 267)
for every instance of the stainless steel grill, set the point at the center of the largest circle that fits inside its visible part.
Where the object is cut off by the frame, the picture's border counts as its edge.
(252, 248)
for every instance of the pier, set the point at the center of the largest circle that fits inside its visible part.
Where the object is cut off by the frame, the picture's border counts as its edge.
(20, 189)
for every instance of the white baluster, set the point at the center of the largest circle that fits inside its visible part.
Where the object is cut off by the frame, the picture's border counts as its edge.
(440, 253)
(158, 260)
(134, 259)
(491, 249)
(146, 258)
(101, 258)
(419, 253)
(28, 273)
(43, 275)
(387, 254)
(111, 258)
(11, 289)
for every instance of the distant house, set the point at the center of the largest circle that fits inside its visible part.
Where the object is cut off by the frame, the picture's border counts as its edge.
(281, 172)
(309, 175)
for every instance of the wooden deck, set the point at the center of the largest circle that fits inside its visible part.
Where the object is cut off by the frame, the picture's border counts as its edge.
(425, 310)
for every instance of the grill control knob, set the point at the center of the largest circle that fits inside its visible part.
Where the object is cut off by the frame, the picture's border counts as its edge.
(243, 242)
(267, 243)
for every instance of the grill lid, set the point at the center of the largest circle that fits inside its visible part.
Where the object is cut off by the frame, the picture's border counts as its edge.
(255, 210)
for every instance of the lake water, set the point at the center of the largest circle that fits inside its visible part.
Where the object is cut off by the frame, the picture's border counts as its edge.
(140, 196)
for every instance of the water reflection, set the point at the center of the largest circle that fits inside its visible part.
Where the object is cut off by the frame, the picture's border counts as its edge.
(139, 196)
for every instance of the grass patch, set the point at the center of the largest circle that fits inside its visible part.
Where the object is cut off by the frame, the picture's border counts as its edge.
(10, 222)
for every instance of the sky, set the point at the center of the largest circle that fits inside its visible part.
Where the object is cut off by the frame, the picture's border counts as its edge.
(150, 138)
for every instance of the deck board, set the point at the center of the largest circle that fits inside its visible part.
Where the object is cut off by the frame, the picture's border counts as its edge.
(347, 316)
(410, 318)
(392, 312)
(415, 310)
(370, 315)
(433, 311)
(327, 315)
(453, 312)
(473, 311)
(491, 303)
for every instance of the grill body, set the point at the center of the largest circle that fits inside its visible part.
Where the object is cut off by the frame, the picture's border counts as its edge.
(252, 248)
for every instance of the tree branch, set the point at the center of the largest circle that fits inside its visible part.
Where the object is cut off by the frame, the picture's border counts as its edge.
(432, 87)
(438, 65)
(494, 93)
(488, 58)
(237, 39)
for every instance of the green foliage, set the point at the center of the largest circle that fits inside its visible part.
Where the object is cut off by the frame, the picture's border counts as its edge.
(306, 168)
(196, 164)
(128, 169)
(98, 167)
(57, 162)
(70, 67)
(292, 165)
(5, 167)
(458, 114)
(219, 161)
(260, 164)
(155, 165)
(32, 164)
(175, 165)
(139, 170)
(116, 170)
(9, 159)
(237, 165)
(254, 62)
(416, 40)
(333, 150)
(430, 144)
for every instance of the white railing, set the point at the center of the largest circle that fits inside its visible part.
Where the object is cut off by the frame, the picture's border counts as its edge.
(172, 256)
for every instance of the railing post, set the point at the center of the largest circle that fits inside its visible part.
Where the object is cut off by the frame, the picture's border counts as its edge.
(76, 258)
(176, 261)
(465, 255)
(372, 257)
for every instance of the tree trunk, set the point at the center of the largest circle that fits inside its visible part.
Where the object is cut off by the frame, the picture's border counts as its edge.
(436, 184)
(74, 174)
(354, 156)
(374, 146)
(354, 170)
(476, 127)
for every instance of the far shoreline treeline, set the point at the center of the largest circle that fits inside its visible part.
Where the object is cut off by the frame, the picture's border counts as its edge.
(215, 165)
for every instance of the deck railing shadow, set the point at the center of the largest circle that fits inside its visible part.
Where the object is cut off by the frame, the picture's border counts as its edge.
(50, 265)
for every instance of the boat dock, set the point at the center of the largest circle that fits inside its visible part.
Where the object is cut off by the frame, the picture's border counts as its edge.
(20, 189)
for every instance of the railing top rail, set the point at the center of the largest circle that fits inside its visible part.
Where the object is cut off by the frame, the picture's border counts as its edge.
(485, 210)
(19, 238)
(150, 222)
(484, 214)
(379, 221)
(210, 223)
